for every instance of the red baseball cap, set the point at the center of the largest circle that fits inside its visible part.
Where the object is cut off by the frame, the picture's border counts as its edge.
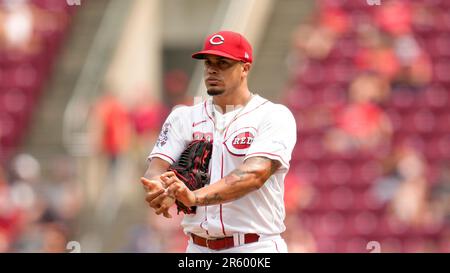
(227, 44)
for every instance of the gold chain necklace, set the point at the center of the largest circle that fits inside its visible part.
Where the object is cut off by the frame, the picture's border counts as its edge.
(224, 128)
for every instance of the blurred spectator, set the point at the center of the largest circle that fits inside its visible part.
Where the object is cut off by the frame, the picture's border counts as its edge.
(10, 219)
(27, 192)
(111, 130)
(298, 238)
(376, 54)
(175, 88)
(4, 241)
(157, 235)
(33, 212)
(440, 193)
(415, 66)
(313, 42)
(385, 186)
(398, 45)
(369, 87)
(147, 116)
(334, 19)
(55, 238)
(172, 238)
(394, 17)
(316, 39)
(64, 193)
(404, 186)
(315, 117)
(111, 127)
(298, 194)
(361, 125)
(24, 25)
(423, 16)
(18, 26)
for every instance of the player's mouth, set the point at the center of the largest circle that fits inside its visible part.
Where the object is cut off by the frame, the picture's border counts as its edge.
(212, 81)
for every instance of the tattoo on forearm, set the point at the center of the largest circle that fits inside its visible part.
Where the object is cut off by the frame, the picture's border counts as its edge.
(254, 173)
(209, 199)
(197, 201)
(268, 166)
(235, 177)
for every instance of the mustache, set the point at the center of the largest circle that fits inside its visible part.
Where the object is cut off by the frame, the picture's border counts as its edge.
(213, 78)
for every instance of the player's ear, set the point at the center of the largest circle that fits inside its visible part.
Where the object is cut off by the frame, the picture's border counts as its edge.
(246, 67)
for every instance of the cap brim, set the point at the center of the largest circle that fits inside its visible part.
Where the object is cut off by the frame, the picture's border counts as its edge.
(202, 54)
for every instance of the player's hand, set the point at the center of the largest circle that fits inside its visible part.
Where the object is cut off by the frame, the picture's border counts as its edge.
(157, 197)
(178, 189)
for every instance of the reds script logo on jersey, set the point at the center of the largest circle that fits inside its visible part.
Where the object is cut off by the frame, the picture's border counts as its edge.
(239, 141)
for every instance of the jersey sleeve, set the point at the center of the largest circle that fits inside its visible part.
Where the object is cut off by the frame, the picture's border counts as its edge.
(172, 139)
(276, 137)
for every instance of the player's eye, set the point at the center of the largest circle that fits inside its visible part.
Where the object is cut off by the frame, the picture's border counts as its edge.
(223, 64)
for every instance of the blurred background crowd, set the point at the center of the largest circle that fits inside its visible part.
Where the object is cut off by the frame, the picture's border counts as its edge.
(370, 89)
(369, 86)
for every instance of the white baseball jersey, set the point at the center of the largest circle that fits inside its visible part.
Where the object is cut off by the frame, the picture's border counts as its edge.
(261, 128)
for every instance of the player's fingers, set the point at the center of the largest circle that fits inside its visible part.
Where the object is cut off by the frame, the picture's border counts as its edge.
(156, 202)
(167, 214)
(170, 181)
(175, 190)
(162, 210)
(164, 177)
(172, 189)
(167, 175)
(148, 183)
(180, 191)
(151, 196)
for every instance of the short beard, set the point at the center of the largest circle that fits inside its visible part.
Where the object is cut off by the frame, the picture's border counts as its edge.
(215, 92)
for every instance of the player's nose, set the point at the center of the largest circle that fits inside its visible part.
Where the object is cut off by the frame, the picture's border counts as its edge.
(212, 69)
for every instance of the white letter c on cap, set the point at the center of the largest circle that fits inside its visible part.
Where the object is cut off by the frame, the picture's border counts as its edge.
(215, 37)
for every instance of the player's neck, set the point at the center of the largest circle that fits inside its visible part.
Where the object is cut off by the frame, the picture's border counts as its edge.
(232, 101)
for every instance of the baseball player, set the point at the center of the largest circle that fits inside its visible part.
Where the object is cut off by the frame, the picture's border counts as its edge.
(242, 208)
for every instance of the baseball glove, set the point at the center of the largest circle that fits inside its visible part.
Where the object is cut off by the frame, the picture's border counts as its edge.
(192, 169)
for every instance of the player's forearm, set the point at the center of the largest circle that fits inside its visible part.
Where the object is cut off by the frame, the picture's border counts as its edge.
(153, 174)
(224, 191)
(237, 184)
(155, 169)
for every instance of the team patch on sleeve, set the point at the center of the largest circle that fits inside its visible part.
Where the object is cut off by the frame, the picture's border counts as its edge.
(163, 136)
(240, 140)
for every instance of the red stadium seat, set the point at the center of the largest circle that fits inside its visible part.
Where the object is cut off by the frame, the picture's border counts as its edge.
(365, 173)
(424, 121)
(414, 245)
(325, 245)
(391, 245)
(420, 118)
(342, 198)
(366, 223)
(313, 75)
(308, 170)
(435, 98)
(312, 148)
(403, 100)
(356, 245)
(443, 123)
(22, 77)
(338, 172)
(440, 70)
